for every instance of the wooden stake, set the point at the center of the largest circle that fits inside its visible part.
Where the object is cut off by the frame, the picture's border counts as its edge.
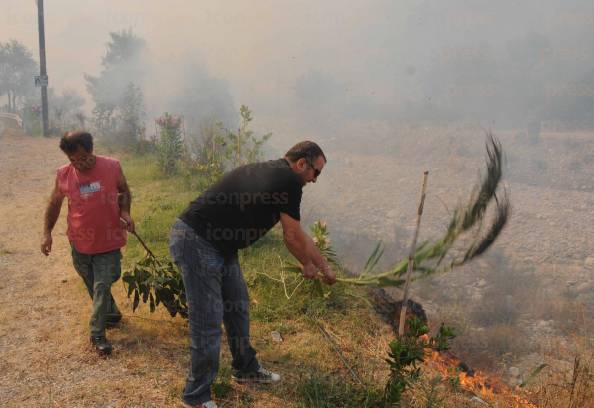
(411, 257)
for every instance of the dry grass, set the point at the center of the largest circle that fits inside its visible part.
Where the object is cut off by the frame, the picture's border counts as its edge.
(564, 384)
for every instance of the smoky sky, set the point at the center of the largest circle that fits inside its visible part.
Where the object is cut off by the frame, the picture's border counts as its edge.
(505, 61)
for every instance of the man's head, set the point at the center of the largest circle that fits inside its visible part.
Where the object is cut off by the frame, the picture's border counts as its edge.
(307, 160)
(78, 146)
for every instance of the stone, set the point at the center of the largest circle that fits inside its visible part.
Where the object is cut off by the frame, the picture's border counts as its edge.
(276, 337)
(585, 288)
(514, 372)
(478, 400)
(481, 283)
(515, 381)
(589, 262)
(393, 214)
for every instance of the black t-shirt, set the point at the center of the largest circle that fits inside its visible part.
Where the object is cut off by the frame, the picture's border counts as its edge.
(245, 204)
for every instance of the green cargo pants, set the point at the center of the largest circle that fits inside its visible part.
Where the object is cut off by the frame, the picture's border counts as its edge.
(99, 271)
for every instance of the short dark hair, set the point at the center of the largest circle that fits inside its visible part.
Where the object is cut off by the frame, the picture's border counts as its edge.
(306, 149)
(71, 140)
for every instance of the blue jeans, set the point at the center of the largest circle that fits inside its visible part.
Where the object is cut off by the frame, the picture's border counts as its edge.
(216, 293)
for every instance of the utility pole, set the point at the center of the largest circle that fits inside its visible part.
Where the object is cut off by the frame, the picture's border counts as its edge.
(43, 80)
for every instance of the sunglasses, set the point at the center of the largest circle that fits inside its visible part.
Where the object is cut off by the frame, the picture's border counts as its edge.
(317, 172)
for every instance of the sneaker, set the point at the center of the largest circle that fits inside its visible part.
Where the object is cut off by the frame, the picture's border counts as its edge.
(102, 346)
(262, 376)
(207, 404)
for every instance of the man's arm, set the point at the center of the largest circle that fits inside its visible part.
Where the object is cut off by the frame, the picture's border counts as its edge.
(51, 217)
(303, 248)
(125, 201)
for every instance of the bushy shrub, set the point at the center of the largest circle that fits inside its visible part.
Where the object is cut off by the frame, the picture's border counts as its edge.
(215, 150)
(170, 144)
(207, 155)
(407, 352)
(245, 145)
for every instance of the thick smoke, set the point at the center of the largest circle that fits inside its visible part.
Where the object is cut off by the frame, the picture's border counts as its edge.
(506, 63)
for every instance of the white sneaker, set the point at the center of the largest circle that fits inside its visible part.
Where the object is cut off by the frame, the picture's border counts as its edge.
(262, 376)
(207, 404)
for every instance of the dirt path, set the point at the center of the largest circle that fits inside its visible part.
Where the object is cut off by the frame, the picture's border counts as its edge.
(40, 304)
(46, 360)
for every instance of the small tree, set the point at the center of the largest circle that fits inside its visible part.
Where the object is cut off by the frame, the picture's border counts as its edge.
(116, 91)
(216, 149)
(247, 147)
(407, 352)
(170, 144)
(207, 154)
(17, 69)
(65, 110)
(129, 117)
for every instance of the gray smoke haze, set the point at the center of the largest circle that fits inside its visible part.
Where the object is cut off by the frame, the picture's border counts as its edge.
(309, 65)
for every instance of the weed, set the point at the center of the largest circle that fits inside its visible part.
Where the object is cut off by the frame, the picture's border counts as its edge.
(405, 355)
(329, 392)
(222, 387)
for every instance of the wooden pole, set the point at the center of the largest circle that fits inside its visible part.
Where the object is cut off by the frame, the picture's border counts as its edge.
(411, 257)
(42, 68)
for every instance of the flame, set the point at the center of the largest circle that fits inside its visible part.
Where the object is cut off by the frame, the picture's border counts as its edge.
(475, 382)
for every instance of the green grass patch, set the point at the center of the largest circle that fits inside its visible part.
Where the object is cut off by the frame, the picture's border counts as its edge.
(276, 295)
(156, 201)
(329, 392)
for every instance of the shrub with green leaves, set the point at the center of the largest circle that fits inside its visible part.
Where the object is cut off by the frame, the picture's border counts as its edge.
(245, 145)
(214, 150)
(407, 352)
(206, 156)
(170, 145)
(157, 280)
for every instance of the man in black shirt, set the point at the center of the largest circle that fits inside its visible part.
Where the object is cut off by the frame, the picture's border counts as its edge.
(232, 214)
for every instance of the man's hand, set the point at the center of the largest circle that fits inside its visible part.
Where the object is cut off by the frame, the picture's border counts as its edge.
(127, 221)
(329, 275)
(46, 244)
(309, 271)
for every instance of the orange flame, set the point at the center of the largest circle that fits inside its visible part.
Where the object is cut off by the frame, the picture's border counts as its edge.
(476, 382)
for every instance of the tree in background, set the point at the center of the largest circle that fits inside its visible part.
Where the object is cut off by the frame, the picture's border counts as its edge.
(17, 70)
(129, 118)
(198, 96)
(117, 93)
(66, 110)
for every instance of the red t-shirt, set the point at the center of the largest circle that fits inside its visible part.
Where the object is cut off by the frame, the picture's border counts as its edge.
(93, 212)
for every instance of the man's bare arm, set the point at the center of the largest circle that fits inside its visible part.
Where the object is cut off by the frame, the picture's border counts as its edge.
(52, 213)
(125, 201)
(303, 248)
(124, 195)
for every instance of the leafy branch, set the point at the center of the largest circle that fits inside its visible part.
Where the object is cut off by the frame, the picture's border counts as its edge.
(157, 280)
(465, 218)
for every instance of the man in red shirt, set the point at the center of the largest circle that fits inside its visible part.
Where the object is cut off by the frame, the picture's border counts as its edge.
(98, 216)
